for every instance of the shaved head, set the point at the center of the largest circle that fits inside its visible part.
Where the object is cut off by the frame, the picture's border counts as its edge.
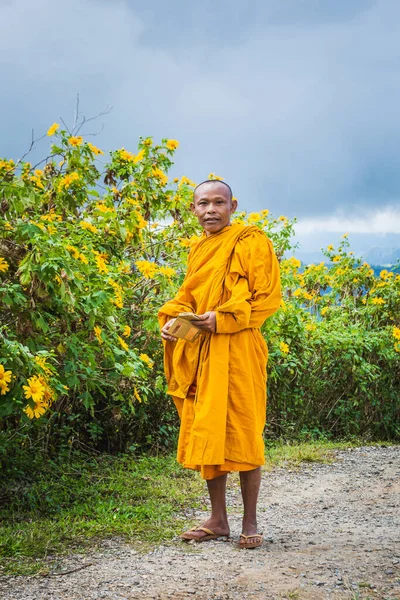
(214, 181)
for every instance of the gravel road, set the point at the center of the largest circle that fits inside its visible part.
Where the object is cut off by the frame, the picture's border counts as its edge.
(331, 531)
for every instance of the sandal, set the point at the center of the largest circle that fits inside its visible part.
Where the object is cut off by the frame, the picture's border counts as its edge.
(210, 535)
(246, 544)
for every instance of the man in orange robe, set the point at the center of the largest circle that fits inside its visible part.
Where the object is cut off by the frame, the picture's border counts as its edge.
(218, 381)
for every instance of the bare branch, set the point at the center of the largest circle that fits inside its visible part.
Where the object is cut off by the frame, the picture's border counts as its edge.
(106, 111)
(65, 125)
(76, 111)
(19, 161)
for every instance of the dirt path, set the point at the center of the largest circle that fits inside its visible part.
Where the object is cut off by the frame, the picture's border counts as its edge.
(332, 531)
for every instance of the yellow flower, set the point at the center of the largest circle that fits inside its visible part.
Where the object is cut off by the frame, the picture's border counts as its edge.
(141, 222)
(118, 300)
(185, 243)
(215, 177)
(39, 408)
(101, 264)
(147, 142)
(3, 388)
(324, 310)
(75, 140)
(97, 332)
(298, 292)
(3, 265)
(311, 327)
(102, 207)
(253, 217)
(295, 262)
(41, 361)
(186, 181)
(146, 268)
(396, 333)
(74, 251)
(53, 129)
(123, 344)
(160, 175)
(83, 259)
(378, 301)
(68, 180)
(345, 235)
(5, 376)
(330, 247)
(167, 271)
(139, 156)
(125, 155)
(136, 394)
(147, 360)
(283, 347)
(88, 226)
(94, 149)
(172, 144)
(385, 274)
(34, 389)
(37, 181)
(282, 218)
(336, 259)
(127, 331)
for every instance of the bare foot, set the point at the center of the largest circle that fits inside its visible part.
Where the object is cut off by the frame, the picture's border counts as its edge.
(250, 537)
(217, 527)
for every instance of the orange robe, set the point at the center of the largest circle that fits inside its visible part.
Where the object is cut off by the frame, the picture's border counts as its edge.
(235, 273)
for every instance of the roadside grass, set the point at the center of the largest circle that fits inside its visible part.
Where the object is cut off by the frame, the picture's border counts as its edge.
(288, 455)
(67, 507)
(49, 508)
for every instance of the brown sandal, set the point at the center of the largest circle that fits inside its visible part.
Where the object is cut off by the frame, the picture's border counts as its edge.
(248, 545)
(210, 535)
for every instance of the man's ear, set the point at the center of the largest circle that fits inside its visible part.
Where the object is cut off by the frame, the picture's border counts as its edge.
(234, 206)
(192, 208)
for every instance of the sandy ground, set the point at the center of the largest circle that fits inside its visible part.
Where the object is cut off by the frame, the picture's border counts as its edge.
(331, 531)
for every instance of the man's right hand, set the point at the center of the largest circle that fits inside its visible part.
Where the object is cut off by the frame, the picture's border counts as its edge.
(164, 332)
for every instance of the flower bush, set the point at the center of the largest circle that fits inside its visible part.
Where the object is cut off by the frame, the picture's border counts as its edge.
(90, 249)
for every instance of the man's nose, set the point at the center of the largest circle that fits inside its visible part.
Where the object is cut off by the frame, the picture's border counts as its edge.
(210, 208)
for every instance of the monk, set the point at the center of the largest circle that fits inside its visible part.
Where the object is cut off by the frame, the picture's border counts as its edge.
(218, 381)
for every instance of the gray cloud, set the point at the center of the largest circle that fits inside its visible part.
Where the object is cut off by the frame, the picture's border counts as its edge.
(295, 103)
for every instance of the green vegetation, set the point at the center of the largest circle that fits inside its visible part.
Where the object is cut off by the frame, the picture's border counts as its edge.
(49, 507)
(54, 506)
(89, 250)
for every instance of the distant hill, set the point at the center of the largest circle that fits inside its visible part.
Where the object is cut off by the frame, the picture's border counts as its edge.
(382, 256)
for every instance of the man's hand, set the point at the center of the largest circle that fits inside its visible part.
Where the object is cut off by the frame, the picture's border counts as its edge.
(164, 332)
(207, 321)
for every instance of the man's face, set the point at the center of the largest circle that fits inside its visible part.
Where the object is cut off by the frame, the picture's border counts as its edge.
(213, 206)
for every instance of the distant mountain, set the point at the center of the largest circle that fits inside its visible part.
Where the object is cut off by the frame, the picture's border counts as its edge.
(373, 256)
(376, 249)
(382, 256)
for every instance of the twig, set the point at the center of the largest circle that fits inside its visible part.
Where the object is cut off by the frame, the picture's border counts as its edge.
(106, 111)
(76, 112)
(65, 125)
(70, 570)
(19, 161)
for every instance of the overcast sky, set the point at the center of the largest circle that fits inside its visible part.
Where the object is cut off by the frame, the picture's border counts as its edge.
(296, 103)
